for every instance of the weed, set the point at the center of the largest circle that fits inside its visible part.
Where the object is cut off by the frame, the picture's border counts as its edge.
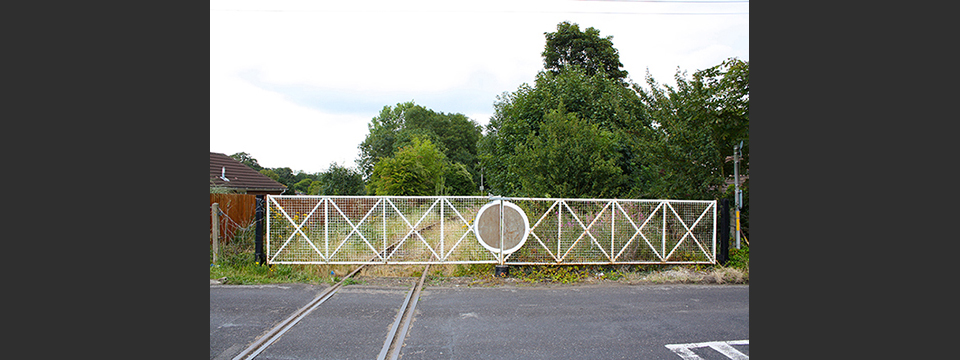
(563, 274)
(474, 270)
(740, 258)
(352, 281)
(722, 275)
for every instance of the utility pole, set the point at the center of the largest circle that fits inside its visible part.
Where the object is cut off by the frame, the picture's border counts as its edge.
(737, 195)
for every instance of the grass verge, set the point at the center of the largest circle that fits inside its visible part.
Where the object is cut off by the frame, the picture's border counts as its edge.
(236, 266)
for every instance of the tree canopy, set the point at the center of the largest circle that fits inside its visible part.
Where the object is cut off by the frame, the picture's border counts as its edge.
(569, 46)
(247, 160)
(697, 125)
(612, 115)
(339, 180)
(415, 170)
(454, 135)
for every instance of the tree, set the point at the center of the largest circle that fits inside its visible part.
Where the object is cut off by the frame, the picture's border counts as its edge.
(698, 124)
(339, 180)
(569, 158)
(569, 46)
(455, 135)
(457, 180)
(270, 174)
(247, 160)
(303, 186)
(416, 170)
(583, 100)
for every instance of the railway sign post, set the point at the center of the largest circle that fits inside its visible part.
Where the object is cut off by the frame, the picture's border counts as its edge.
(501, 227)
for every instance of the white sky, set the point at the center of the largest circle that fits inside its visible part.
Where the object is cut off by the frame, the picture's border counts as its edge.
(294, 83)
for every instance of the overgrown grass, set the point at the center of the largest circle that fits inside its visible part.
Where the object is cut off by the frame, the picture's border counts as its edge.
(236, 265)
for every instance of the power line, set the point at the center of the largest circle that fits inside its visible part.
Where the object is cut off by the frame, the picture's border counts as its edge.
(488, 11)
(678, 1)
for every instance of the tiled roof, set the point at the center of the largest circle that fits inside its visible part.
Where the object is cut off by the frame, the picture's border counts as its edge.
(239, 175)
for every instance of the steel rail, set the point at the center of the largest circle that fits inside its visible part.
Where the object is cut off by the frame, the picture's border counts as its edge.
(277, 331)
(394, 341)
(281, 328)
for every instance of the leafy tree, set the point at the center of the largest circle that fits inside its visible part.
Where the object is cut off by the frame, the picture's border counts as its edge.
(270, 174)
(303, 186)
(569, 158)
(455, 135)
(339, 180)
(314, 188)
(247, 160)
(569, 46)
(457, 180)
(698, 123)
(416, 170)
(583, 100)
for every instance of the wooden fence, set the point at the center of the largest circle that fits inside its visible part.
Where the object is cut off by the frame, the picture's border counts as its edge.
(237, 210)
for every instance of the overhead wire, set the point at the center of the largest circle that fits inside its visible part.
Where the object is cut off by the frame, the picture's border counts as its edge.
(538, 11)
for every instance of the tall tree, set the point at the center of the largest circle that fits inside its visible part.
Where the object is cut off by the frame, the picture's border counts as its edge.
(579, 100)
(569, 46)
(416, 170)
(698, 124)
(247, 160)
(455, 135)
(569, 158)
(339, 180)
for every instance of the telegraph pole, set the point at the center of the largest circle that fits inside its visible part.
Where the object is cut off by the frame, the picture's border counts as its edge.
(737, 195)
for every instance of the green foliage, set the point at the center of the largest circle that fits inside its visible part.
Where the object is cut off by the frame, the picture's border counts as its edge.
(562, 274)
(457, 180)
(739, 258)
(569, 158)
(475, 270)
(303, 186)
(455, 135)
(339, 180)
(568, 46)
(247, 160)
(697, 125)
(539, 120)
(270, 174)
(416, 170)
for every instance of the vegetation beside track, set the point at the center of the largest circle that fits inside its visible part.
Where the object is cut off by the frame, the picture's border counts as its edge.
(235, 265)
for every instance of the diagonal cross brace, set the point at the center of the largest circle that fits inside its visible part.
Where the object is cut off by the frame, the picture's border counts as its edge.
(413, 228)
(356, 229)
(298, 229)
(689, 230)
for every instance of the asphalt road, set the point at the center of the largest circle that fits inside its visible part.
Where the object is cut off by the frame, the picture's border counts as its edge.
(600, 322)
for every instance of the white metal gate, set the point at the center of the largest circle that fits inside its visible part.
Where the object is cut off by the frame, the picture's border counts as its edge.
(530, 231)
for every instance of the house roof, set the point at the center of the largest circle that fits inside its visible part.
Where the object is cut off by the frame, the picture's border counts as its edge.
(239, 175)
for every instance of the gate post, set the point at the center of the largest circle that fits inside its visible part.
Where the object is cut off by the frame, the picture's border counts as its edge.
(724, 229)
(215, 222)
(259, 257)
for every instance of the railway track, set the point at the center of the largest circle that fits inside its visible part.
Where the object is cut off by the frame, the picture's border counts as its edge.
(392, 343)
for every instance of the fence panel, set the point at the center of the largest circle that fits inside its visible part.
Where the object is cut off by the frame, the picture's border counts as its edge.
(237, 211)
(446, 229)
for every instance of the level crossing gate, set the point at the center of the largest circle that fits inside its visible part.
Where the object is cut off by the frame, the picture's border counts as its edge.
(496, 230)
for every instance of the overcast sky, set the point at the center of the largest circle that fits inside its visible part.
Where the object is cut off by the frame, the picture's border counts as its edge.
(294, 83)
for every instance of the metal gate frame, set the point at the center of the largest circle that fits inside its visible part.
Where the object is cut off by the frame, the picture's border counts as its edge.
(307, 229)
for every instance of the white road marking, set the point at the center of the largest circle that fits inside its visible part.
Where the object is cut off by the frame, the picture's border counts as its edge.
(724, 347)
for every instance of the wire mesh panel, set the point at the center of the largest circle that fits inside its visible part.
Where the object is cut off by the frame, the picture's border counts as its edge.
(420, 229)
